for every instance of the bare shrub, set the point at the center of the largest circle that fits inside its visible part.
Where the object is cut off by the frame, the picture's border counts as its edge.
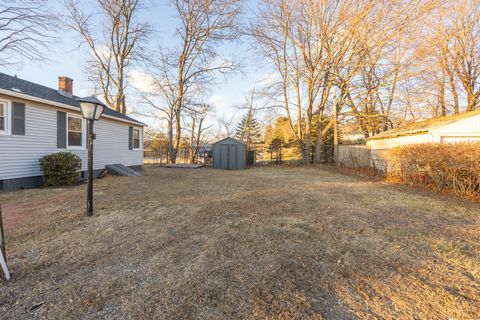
(442, 167)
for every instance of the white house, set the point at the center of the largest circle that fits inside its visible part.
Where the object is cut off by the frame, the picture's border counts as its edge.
(456, 128)
(36, 120)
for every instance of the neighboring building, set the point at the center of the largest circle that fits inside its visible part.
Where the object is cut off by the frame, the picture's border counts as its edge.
(36, 120)
(205, 151)
(352, 138)
(230, 154)
(351, 133)
(457, 128)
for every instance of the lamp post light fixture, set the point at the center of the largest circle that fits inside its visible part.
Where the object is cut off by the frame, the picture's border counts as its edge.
(92, 110)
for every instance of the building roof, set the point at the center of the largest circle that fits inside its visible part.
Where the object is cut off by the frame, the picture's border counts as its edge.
(229, 138)
(19, 86)
(422, 127)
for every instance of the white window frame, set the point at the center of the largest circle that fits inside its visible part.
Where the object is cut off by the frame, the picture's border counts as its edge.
(139, 138)
(7, 116)
(72, 115)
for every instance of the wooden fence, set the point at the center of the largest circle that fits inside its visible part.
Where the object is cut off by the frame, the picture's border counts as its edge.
(354, 156)
(160, 156)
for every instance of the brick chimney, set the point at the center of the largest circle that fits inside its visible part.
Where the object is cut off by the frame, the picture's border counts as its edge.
(65, 85)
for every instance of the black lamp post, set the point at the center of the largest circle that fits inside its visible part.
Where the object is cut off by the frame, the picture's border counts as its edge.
(92, 110)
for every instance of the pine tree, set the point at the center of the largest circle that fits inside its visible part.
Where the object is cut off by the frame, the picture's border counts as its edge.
(248, 130)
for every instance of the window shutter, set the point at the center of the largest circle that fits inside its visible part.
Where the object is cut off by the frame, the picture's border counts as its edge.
(61, 130)
(18, 118)
(130, 138)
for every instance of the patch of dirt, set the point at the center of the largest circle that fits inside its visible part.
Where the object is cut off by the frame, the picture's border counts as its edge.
(16, 215)
(264, 243)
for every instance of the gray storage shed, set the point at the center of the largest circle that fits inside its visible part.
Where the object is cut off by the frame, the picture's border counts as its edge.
(229, 154)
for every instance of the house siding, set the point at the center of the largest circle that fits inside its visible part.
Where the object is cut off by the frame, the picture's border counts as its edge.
(467, 129)
(384, 144)
(462, 130)
(20, 154)
(459, 131)
(379, 147)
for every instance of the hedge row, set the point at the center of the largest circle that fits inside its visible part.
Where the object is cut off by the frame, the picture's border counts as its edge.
(452, 167)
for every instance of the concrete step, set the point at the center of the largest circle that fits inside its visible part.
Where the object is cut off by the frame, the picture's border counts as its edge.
(121, 170)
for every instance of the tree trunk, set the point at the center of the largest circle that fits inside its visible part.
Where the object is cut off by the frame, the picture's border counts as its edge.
(441, 96)
(471, 101)
(308, 140)
(179, 107)
(453, 88)
(335, 131)
(170, 151)
(191, 150)
(319, 141)
(280, 152)
(304, 151)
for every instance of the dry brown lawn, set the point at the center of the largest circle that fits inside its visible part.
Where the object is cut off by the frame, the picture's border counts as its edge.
(266, 243)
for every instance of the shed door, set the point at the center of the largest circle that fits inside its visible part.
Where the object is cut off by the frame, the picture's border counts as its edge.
(224, 156)
(232, 156)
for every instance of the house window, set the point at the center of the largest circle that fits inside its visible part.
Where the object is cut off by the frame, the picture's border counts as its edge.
(74, 132)
(136, 139)
(3, 117)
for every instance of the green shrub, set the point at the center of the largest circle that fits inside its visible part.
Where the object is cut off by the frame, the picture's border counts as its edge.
(61, 168)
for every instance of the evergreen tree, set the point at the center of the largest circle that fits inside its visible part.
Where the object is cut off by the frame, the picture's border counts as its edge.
(248, 130)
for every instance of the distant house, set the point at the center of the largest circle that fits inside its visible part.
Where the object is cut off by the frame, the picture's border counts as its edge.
(351, 133)
(36, 120)
(456, 128)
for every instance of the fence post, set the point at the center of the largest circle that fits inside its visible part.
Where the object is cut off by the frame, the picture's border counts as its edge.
(281, 152)
(2, 235)
(3, 268)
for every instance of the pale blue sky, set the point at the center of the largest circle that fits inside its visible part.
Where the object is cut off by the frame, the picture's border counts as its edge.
(67, 59)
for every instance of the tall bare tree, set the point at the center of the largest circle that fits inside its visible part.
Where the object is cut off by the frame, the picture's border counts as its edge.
(272, 32)
(434, 66)
(465, 49)
(25, 30)
(114, 42)
(308, 42)
(203, 25)
(157, 97)
(226, 126)
(198, 115)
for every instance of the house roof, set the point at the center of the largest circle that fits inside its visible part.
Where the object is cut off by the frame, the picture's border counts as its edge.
(19, 86)
(423, 127)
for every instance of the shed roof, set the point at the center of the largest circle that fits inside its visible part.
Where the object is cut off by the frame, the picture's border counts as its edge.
(422, 127)
(17, 85)
(229, 138)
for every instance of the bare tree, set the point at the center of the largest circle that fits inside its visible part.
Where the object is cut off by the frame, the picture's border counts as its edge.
(25, 30)
(437, 85)
(114, 43)
(159, 95)
(378, 63)
(198, 114)
(443, 73)
(271, 31)
(307, 43)
(203, 25)
(359, 47)
(226, 125)
(465, 49)
(159, 110)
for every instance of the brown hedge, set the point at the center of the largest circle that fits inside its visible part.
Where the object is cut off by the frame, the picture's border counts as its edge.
(443, 167)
